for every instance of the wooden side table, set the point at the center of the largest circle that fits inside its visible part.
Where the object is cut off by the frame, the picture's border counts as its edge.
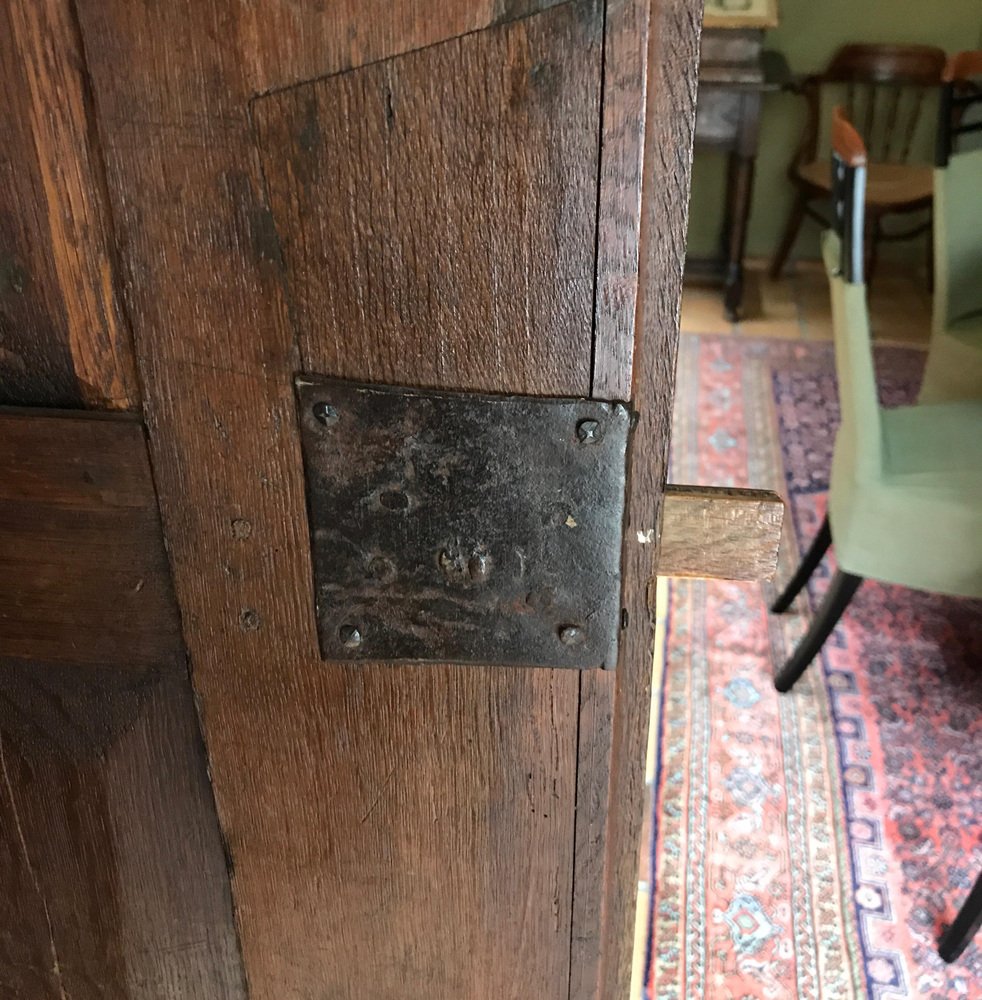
(734, 75)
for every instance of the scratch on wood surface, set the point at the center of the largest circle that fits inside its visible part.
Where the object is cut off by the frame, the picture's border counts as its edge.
(55, 965)
(379, 794)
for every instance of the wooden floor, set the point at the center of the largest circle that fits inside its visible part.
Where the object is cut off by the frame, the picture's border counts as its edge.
(794, 308)
(797, 306)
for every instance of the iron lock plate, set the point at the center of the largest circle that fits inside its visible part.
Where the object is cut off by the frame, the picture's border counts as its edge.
(463, 528)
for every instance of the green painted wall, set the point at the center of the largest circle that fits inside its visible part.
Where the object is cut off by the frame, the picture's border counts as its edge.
(809, 32)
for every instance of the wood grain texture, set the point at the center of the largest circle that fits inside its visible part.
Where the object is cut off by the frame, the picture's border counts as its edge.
(726, 534)
(438, 210)
(63, 337)
(594, 741)
(284, 43)
(403, 832)
(83, 575)
(35, 360)
(619, 209)
(616, 289)
(110, 855)
(672, 60)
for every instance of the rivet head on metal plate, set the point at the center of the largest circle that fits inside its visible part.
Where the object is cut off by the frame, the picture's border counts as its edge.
(464, 528)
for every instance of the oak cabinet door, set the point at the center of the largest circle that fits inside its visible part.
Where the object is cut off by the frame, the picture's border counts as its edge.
(472, 196)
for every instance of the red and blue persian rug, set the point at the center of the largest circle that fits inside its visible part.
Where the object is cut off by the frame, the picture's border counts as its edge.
(808, 845)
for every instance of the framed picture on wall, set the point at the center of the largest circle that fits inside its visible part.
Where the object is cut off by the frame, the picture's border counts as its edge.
(740, 14)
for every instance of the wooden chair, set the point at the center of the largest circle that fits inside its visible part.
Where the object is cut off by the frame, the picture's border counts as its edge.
(884, 87)
(954, 360)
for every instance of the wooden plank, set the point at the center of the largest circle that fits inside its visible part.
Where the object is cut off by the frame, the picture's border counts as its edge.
(111, 859)
(713, 531)
(618, 229)
(35, 360)
(437, 196)
(83, 575)
(284, 43)
(63, 336)
(415, 824)
(625, 76)
(110, 854)
(670, 92)
(25, 970)
(594, 740)
(424, 238)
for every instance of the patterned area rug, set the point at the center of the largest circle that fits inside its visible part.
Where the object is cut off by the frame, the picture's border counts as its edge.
(809, 845)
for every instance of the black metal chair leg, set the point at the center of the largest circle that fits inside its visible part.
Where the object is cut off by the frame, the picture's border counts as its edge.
(811, 559)
(966, 925)
(837, 597)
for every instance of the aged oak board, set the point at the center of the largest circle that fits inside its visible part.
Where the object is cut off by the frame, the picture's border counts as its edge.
(399, 817)
(112, 866)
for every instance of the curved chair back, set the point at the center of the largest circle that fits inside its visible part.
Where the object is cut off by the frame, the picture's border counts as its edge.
(883, 88)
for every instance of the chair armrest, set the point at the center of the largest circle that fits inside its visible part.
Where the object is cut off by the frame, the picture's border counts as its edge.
(806, 86)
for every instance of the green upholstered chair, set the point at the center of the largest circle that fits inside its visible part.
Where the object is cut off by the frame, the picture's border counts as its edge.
(954, 364)
(905, 494)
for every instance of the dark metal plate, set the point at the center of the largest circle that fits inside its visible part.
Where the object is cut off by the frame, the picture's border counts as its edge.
(456, 527)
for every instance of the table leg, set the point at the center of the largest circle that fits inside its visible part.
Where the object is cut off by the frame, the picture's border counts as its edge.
(739, 189)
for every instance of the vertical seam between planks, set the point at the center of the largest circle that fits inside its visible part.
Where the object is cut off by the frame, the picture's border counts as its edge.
(593, 365)
(596, 229)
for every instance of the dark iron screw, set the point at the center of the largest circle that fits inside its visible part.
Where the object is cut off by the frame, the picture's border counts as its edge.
(571, 635)
(589, 431)
(350, 636)
(325, 414)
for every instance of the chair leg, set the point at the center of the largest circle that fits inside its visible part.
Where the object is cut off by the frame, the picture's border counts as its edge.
(837, 597)
(819, 546)
(795, 218)
(966, 924)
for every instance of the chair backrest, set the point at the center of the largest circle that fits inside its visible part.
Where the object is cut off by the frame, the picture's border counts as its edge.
(961, 94)
(885, 91)
(842, 249)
